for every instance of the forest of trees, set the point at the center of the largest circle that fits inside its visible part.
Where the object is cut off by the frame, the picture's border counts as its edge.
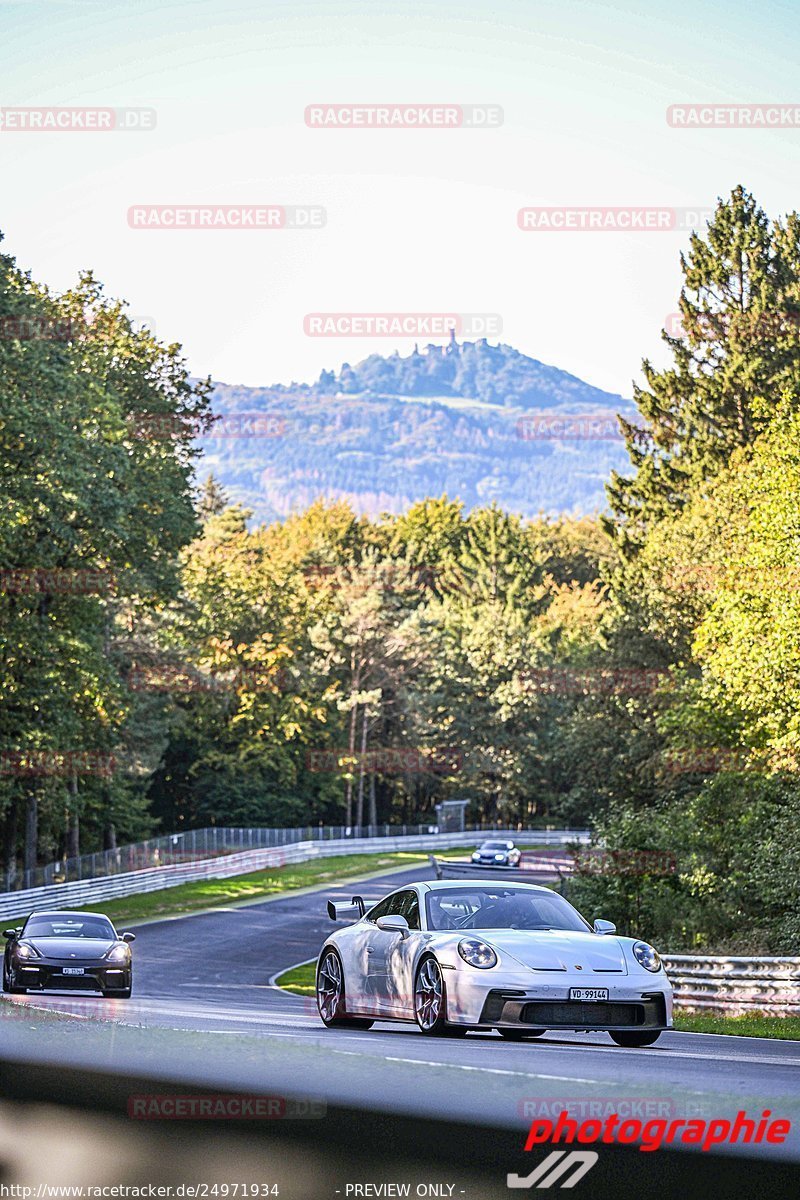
(169, 664)
(497, 375)
(452, 420)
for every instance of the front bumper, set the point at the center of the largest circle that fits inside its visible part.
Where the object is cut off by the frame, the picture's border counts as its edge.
(504, 1009)
(48, 975)
(518, 1001)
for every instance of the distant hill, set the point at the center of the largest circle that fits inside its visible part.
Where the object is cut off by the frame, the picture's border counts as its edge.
(475, 421)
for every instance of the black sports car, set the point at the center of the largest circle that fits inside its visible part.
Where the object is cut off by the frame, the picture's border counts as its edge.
(70, 950)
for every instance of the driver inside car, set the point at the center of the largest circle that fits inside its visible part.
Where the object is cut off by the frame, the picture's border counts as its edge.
(507, 912)
(440, 917)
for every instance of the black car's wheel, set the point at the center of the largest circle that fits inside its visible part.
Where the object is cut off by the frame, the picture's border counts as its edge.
(519, 1035)
(9, 985)
(331, 1000)
(430, 1002)
(624, 1038)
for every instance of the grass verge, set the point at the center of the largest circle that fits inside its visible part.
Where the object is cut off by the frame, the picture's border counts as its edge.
(209, 893)
(752, 1025)
(257, 885)
(300, 980)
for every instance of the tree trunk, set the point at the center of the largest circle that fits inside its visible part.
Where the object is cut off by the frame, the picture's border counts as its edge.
(73, 827)
(109, 837)
(31, 833)
(351, 749)
(10, 827)
(360, 808)
(31, 852)
(373, 807)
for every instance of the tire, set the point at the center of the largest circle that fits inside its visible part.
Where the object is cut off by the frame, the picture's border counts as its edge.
(331, 1001)
(8, 986)
(122, 994)
(624, 1038)
(519, 1035)
(430, 1002)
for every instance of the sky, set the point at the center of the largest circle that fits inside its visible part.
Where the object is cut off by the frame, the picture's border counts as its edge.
(416, 220)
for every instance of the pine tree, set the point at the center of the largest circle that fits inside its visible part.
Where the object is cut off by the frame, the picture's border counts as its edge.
(212, 499)
(739, 353)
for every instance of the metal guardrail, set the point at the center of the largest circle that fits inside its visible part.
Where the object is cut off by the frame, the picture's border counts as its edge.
(193, 845)
(735, 986)
(710, 983)
(14, 905)
(533, 868)
(196, 845)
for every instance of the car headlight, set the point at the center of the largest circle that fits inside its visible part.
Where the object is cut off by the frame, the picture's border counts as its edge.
(118, 954)
(26, 951)
(477, 953)
(499, 857)
(646, 956)
(476, 857)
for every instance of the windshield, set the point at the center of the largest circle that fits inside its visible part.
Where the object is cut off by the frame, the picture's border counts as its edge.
(488, 907)
(496, 846)
(70, 927)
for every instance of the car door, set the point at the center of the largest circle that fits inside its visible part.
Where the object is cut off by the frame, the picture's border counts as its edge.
(400, 959)
(375, 948)
(391, 957)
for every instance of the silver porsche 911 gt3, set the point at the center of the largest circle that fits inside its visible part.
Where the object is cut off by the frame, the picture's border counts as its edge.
(456, 956)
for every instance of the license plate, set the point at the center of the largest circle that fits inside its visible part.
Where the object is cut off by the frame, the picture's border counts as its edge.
(73, 971)
(588, 993)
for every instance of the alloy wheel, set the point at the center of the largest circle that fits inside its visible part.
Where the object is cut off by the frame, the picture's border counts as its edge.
(329, 987)
(428, 995)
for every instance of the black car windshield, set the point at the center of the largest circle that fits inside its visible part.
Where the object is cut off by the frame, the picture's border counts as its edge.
(70, 927)
(496, 846)
(486, 907)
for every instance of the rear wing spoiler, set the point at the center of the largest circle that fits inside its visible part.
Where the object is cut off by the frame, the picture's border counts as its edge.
(353, 911)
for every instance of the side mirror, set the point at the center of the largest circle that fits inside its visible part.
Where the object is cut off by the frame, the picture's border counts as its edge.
(128, 937)
(602, 927)
(393, 924)
(9, 933)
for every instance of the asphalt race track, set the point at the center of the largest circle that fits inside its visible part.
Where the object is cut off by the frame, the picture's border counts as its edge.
(205, 1008)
